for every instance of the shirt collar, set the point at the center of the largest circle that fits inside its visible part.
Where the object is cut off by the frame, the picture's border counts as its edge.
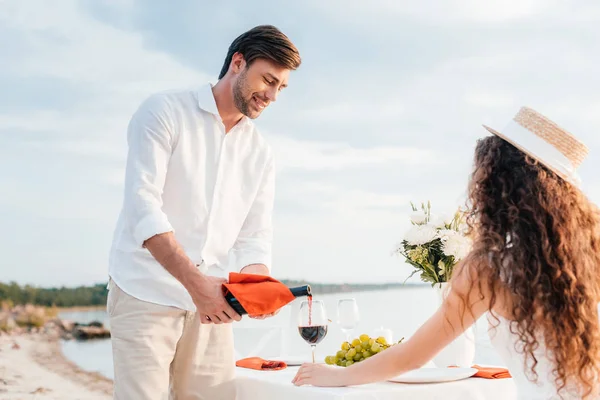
(207, 102)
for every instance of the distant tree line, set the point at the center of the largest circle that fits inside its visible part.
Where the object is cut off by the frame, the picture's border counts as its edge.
(331, 288)
(60, 297)
(96, 295)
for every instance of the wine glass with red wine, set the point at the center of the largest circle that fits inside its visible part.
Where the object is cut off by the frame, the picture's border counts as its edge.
(312, 323)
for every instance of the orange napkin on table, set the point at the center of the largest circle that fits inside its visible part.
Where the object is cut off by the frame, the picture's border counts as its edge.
(491, 373)
(261, 364)
(258, 294)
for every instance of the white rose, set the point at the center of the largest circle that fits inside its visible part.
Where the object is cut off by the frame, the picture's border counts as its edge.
(456, 245)
(418, 218)
(441, 221)
(421, 234)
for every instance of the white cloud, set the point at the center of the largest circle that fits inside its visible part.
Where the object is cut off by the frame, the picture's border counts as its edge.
(457, 11)
(347, 240)
(112, 67)
(68, 44)
(334, 199)
(363, 110)
(313, 155)
(88, 148)
(482, 98)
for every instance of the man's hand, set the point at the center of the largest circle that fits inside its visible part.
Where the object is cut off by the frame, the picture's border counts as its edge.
(207, 293)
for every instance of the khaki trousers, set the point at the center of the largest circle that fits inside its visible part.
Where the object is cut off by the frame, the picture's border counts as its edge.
(162, 352)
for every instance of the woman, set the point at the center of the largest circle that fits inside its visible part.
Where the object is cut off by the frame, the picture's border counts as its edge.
(534, 266)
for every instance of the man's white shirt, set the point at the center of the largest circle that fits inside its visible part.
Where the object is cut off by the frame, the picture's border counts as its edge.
(184, 174)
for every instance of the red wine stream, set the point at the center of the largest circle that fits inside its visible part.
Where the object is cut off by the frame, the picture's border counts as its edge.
(309, 310)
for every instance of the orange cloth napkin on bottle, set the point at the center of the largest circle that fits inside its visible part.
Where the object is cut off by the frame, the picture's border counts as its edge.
(258, 294)
(491, 373)
(261, 364)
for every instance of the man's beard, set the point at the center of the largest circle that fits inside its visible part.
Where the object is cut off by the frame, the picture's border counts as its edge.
(241, 87)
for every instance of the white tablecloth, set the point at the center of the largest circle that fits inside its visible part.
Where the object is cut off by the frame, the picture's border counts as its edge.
(277, 385)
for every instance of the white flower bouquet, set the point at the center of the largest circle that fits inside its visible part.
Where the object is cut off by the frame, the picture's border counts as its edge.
(434, 245)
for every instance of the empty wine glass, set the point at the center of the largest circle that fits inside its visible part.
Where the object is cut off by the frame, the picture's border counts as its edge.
(312, 323)
(347, 316)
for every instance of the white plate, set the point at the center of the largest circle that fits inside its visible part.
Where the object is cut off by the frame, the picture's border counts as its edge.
(433, 375)
(293, 361)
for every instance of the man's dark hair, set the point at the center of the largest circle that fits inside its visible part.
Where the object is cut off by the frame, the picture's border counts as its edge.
(264, 41)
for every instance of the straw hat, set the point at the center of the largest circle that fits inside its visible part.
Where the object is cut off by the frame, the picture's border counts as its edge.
(545, 141)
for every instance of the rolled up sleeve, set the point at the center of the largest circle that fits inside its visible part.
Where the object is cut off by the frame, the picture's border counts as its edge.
(150, 141)
(254, 242)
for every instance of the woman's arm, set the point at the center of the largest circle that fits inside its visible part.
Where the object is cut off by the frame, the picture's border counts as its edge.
(450, 320)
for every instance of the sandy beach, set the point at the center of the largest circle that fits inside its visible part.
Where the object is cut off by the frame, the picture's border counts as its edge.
(32, 366)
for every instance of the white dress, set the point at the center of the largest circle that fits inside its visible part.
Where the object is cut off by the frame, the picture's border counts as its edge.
(507, 344)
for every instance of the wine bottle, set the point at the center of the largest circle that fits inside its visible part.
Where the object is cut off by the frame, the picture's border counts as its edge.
(298, 291)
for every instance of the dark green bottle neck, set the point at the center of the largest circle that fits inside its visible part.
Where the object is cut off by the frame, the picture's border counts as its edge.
(300, 291)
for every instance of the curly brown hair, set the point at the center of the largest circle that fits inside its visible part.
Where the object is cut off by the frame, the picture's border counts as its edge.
(536, 240)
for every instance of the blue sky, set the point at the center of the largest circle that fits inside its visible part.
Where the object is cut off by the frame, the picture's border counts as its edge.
(385, 109)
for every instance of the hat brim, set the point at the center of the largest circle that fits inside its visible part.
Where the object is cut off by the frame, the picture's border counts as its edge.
(529, 153)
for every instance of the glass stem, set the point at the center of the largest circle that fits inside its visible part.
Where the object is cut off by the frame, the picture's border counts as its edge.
(313, 352)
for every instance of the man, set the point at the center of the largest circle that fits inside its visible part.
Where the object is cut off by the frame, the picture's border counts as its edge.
(199, 183)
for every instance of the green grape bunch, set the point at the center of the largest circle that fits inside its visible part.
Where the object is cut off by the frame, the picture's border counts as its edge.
(358, 350)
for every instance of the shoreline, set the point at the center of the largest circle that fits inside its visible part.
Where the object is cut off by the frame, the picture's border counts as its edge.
(81, 308)
(33, 366)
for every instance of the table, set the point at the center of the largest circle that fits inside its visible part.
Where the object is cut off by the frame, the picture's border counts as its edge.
(278, 385)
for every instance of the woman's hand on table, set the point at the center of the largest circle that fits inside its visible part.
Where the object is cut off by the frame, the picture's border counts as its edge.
(320, 375)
